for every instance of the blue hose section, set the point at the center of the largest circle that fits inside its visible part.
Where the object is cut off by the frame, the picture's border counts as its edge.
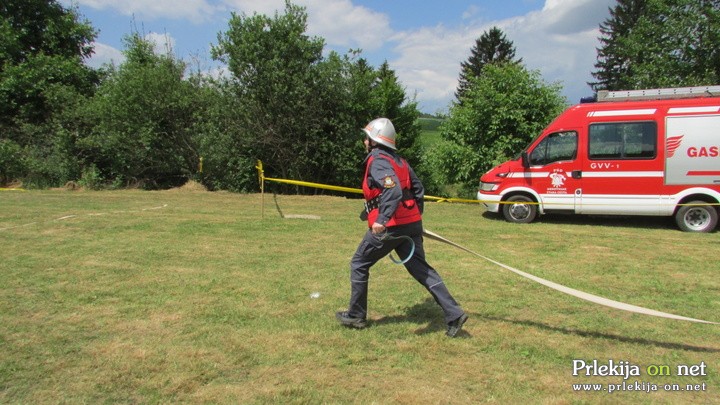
(412, 248)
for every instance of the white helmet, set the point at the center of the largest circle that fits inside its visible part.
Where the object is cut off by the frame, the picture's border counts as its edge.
(382, 131)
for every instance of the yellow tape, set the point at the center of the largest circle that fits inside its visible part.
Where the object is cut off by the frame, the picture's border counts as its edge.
(12, 189)
(452, 200)
(262, 179)
(314, 185)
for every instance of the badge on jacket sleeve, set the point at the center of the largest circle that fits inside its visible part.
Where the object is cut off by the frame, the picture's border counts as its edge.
(388, 182)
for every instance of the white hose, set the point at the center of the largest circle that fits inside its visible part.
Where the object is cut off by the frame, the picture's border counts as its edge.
(570, 291)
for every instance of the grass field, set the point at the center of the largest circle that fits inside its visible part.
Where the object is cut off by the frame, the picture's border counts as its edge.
(194, 297)
(430, 131)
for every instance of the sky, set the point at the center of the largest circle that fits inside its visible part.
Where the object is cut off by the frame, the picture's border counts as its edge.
(423, 41)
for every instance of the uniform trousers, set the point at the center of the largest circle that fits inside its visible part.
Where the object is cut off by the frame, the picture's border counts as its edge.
(372, 248)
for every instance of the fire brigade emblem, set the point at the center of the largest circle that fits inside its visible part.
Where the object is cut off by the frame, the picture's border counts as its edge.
(557, 179)
(388, 182)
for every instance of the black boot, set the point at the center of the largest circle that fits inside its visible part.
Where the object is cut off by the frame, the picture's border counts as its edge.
(346, 320)
(455, 326)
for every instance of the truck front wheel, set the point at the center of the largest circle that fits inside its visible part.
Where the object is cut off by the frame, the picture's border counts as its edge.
(697, 218)
(520, 209)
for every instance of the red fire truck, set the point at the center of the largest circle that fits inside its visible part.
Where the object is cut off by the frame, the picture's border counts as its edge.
(641, 152)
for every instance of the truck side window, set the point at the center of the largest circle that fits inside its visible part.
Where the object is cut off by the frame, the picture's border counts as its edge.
(559, 146)
(623, 140)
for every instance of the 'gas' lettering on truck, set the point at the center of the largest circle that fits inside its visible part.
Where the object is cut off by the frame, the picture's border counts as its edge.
(712, 151)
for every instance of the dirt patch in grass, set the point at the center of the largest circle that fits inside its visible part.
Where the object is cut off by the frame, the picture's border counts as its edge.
(191, 186)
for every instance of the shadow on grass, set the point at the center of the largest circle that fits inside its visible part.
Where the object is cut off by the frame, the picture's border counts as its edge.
(602, 335)
(628, 221)
(427, 313)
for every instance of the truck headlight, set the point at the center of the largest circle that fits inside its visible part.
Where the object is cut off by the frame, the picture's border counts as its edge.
(488, 186)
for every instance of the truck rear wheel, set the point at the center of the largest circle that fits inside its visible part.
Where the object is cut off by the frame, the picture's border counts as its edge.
(520, 209)
(697, 218)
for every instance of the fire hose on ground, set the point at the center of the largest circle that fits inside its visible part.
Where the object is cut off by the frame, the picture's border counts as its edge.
(567, 290)
(555, 286)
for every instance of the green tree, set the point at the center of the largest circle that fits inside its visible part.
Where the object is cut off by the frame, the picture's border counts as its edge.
(614, 59)
(228, 158)
(42, 76)
(297, 111)
(42, 47)
(388, 99)
(492, 47)
(504, 109)
(11, 161)
(361, 80)
(357, 94)
(635, 54)
(273, 63)
(142, 119)
(378, 93)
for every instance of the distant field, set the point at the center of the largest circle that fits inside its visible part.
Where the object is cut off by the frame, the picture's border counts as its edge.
(430, 130)
(194, 297)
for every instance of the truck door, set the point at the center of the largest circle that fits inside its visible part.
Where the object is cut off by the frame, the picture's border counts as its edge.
(623, 172)
(696, 149)
(554, 168)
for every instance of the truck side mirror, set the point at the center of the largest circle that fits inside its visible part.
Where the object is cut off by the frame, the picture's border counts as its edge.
(525, 159)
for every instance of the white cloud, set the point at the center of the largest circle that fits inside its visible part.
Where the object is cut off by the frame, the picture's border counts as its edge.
(105, 54)
(339, 22)
(471, 12)
(429, 60)
(569, 16)
(343, 24)
(249, 7)
(196, 11)
(163, 44)
(560, 41)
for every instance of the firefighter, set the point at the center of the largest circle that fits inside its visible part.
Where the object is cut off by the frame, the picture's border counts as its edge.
(393, 209)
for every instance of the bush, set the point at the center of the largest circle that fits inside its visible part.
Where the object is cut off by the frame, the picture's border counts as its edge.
(503, 110)
(12, 164)
(91, 178)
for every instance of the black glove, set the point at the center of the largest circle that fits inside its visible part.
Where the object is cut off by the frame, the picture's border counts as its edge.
(363, 215)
